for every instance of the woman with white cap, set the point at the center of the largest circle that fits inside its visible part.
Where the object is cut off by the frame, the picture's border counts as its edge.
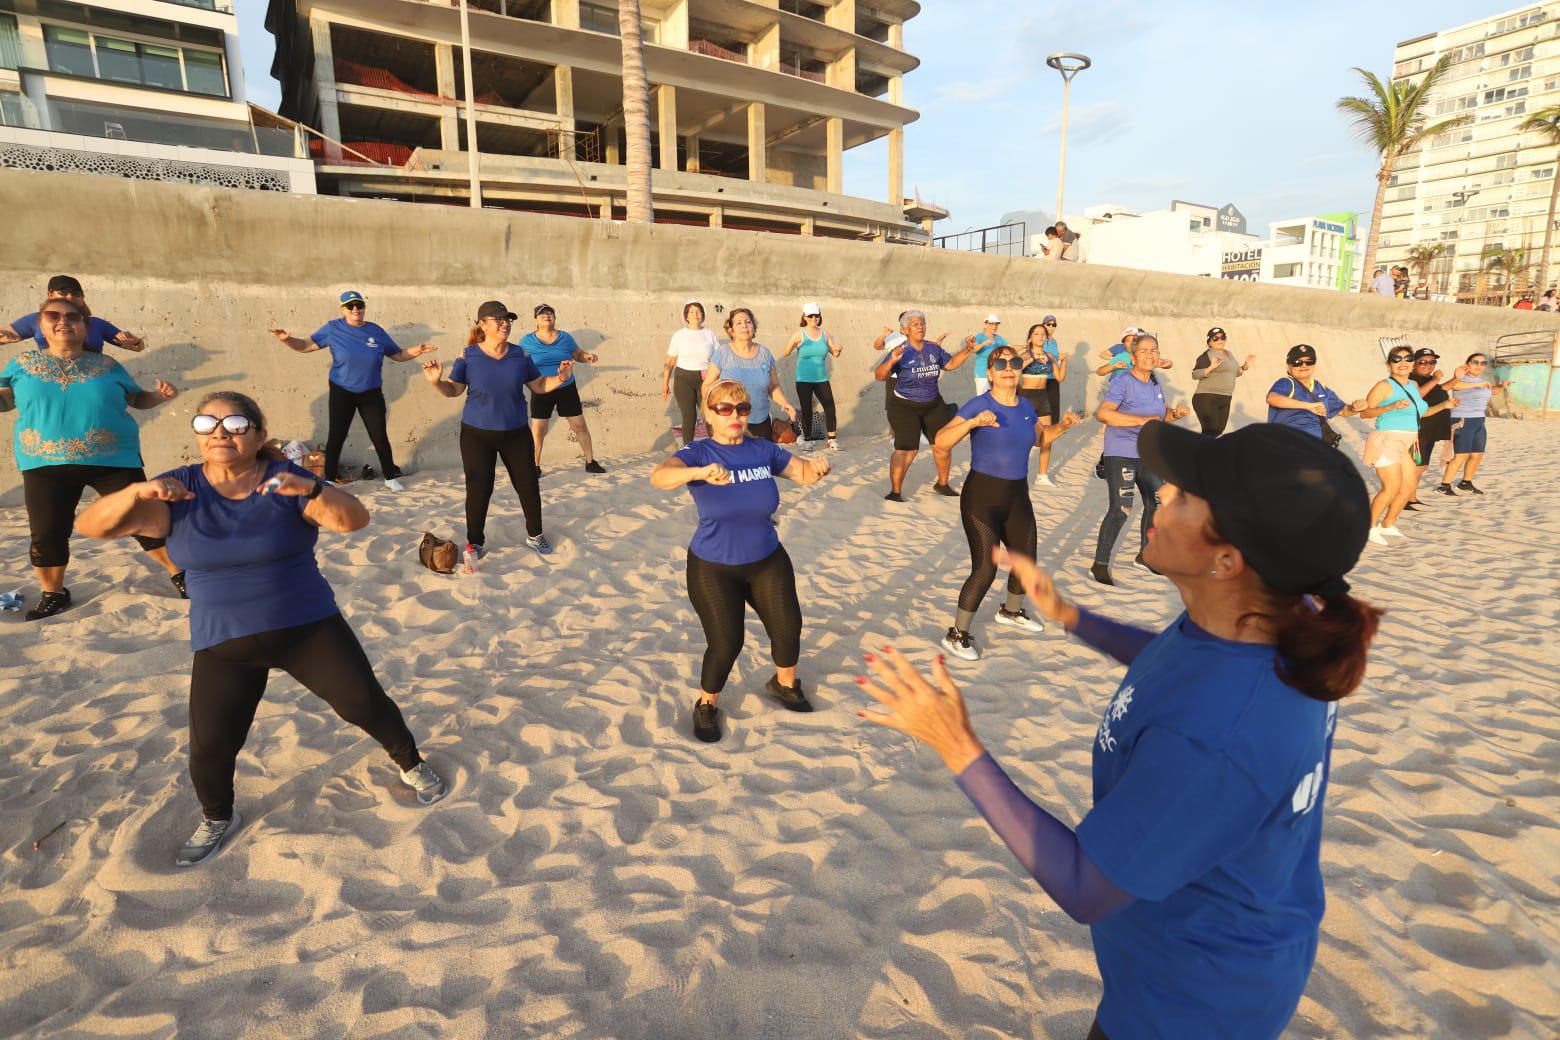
(813, 347)
(687, 356)
(916, 407)
(984, 342)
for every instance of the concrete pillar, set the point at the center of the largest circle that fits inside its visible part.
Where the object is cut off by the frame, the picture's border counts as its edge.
(325, 86)
(896, 167)
(717, 217)
(691, 146)
(235, 66)
(842, 15)
(841, 71)
(610, 143)
(566, 13)
(764, 52)
(674, 25)
(666, 109)
(449, 118)
(834, 155)
(896, 90)
(809, 226)
(896, 35)
(758, 160)
(605, 205)
(563, 91)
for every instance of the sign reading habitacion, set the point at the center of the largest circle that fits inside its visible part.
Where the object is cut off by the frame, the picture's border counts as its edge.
(1244, 265)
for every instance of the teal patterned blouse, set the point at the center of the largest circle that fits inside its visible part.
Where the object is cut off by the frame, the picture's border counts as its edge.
(72, 411)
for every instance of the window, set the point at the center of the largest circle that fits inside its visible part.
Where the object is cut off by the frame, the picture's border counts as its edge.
(1449, 236)
(1516, 56)
(1543, 173)
(10, 43)
(1503, 177)
(117, 60)
(1287, 270)
(1520, 72)
(1519, 21)
(160, 67)
(69, 51)
(75, 53)
(1451, 105)
(1499, 94)
(1504, 162)
(203, 73)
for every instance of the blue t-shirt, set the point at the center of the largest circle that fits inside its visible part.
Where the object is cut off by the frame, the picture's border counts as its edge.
(1133, 396)
(1472, 402)
(753, 373)
(1003, 450)
(99, 332)
(1209, 777)
(984, 346)
(548, 355)
(736, 520)
(811, 366)
(495, 389)
(357, 354)
(72, 413)
(1299, 418)
(919, 370)
(1404, 420)
(248, 562)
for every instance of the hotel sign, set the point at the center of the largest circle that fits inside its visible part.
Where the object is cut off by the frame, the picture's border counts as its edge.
(1244, 265)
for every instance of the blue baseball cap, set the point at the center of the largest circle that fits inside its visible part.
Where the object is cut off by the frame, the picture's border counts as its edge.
(1049, 319)
(351, 296)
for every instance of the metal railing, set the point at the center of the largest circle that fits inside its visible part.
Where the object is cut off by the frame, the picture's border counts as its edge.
(998, 240)
(716, 51)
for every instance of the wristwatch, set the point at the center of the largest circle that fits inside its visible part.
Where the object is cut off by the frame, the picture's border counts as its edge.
(316, 491)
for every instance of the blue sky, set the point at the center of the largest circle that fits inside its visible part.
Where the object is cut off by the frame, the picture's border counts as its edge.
(1211, 102)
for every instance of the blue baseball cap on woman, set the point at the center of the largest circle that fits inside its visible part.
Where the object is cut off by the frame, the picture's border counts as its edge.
(351, 296)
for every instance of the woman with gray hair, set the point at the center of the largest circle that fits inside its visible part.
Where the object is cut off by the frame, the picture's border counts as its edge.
(916, 406)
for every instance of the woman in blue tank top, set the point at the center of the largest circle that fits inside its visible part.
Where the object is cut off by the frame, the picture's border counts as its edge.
(1396, 405)
(813, 347)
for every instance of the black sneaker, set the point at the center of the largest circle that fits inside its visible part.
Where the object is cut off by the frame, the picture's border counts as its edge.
(594, 467)
(706, 721)
(1445, 489)
(178, 583)
(893, 496)
(1412, 507)
(945, 491)
(1099, 468)
(50, 604)
(206, 840)
(1467, 485)
(1100, 572)
(791, 696)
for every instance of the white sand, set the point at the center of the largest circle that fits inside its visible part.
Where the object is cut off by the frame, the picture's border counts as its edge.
(597, 873)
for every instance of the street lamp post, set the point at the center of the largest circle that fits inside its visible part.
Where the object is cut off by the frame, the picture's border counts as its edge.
(1461, 196)
(1069, 65)
(471, 108)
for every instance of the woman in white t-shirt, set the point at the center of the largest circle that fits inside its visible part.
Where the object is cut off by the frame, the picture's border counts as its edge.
(687, 356)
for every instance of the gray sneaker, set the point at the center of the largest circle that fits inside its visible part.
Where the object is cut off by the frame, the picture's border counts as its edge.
(540, 543)
(430, 787)
(206, 840)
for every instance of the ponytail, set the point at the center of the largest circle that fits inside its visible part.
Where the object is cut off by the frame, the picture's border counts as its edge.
(474, 336)
(1321, 642)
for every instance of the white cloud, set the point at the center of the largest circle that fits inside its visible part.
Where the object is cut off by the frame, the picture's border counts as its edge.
(1093, 123)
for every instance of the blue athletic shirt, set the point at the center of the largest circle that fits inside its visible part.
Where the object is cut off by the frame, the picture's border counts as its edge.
(548, 355)
(1003, 450)
(249, 562)
(99, 332)
(736, 520)
(1209, 778)
(1133, 396)
(811, 363)
(1472, 401)
(72, 413)
(495, 389)
(1299, 418)
(1404, 420)
(984, 345)
(752, 373)
(919, 370)
(357, 354)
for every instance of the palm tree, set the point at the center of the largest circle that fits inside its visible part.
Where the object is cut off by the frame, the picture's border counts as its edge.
(1547, 122)
(1511, 264)
(1392, 120)
(636, 114)
(1420, 257)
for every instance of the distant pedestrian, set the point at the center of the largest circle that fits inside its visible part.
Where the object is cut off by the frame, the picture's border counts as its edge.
(1547, 301)
(687, 356)
(1381, 283)
(1071, 243)
(984, 342)
(1215, 371)
(1524, 304)
(1051, 248)
(549, 346)
(814, 346)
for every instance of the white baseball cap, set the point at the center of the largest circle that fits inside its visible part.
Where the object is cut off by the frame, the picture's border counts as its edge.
(1131, 330)
(992, 317)
(811, 308)
(895, 340)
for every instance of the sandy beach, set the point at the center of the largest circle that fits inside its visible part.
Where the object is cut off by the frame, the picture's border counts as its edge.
(597, 873)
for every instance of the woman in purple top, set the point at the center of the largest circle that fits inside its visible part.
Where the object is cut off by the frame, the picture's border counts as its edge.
(244, 526)
(1133, 399)
(915, 405)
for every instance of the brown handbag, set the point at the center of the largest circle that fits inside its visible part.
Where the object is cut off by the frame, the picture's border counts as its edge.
(438, 554)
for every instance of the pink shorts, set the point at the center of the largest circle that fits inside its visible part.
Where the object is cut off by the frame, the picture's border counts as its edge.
(1386, 448)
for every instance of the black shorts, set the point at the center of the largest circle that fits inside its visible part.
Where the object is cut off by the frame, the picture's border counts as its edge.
(1053, 400)
(1036, 396)
(1433, 430)
(910, 419)
(565, 399)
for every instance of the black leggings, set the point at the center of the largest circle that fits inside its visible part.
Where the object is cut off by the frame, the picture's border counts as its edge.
(994, 510)
(1213, 412)
(1121, 474)
(480, 451)
(718, 592)
(370, 404)
(52, 494)
(804, 394)
(686, 386)
(228, 680)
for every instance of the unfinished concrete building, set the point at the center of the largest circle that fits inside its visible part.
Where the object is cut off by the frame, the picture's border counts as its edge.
(753, 105)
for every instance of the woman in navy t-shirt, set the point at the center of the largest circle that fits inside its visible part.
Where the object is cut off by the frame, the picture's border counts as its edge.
(1198, 869)
(243, 526)
(494, 374)
(736, 557)
(915, 404)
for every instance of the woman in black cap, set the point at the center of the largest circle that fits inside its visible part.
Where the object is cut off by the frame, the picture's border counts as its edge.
(1216, 371)
(494, 374)
(1198, 869)
(99, 332)
(1301, 401)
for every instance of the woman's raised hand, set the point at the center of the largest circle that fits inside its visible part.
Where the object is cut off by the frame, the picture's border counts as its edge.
(931, 711)
(289, 484)
(163, 489)
(432, 371)
(1037, 584)
(166, 390)
(985, 418)
(714, 473)
(279, 333)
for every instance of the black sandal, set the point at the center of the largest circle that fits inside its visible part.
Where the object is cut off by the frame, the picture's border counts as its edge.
(178, 583)
(50, 604)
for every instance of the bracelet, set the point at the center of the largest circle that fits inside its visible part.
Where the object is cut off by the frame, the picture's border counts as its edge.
(316, 491)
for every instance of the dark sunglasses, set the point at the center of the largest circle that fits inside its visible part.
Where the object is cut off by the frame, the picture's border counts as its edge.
(727, 408)
(1478, 362)
(1216, 339)
(813, 317)
(1427, 361)
(1048, 324)
(1003, 364)
(1397, 359)
(1302, 364)
(56, 317)
(358, 306)
(206, 425)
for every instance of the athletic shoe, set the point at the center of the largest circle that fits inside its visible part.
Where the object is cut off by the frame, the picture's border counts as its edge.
(1412, 507)
(394, 484)
(945, 491)
(594, 467)
(834, 445)
(206, 840)
(1019, 619)
(1445, 489)
(1376, 537)
(706, 721)
(791, 696)
(1467, 485)
(893, 496)
(540, 544)
(480, 550)
(430, 787)
(178, 583)
(960, 645)
(49, 604)
(1044, 480)
(1393, 532)
(1100, 572)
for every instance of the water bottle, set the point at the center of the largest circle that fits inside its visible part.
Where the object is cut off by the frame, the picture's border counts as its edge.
(469, 559)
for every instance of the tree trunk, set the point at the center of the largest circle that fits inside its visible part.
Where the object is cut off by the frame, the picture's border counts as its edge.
(636, 114)
(1549, 231)
(1368, 263)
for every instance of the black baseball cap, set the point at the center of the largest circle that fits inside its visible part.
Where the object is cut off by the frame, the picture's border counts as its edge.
(1301, 352)
(495, 309)
(1296, 508)
(536, 312)
(1216, 331)
(1426, 352)
(66, 284)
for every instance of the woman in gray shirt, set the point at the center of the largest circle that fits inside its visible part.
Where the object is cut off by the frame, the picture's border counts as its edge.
(1216, 371)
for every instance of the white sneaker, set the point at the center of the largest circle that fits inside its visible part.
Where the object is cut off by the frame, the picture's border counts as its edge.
(834, 445)
(428, 785)
(1044, 480)
(394, 484)
(960, 645)
(1393, 532)
(1376, 537)
(1019, 619)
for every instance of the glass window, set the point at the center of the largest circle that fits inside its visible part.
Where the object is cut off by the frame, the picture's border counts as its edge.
(69, 51)
(160, 67)
(117, 60)
(10, 43)
(203, 73)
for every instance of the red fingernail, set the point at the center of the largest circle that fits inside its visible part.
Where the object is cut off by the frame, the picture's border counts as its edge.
(869, 657)
(860, 681)
(861, 714)
(941, 659)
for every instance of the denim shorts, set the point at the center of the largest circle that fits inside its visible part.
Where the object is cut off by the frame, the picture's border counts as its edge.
(1469, 435)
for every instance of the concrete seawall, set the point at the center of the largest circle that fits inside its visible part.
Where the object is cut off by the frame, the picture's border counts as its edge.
(201, 272)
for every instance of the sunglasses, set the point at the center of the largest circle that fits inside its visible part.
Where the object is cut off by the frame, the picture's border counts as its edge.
(358, 306)
(1398, 359)
(1004, 364)
(1478, 362)
(1426, 361)
(814, 317)
(1302, 364)
(65, 317)
(727, 408)
(1215, 339)
(500, 321)
(206, 425)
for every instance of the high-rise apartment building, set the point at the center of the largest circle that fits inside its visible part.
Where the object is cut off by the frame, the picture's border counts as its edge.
(1481, 190)
(752, 107)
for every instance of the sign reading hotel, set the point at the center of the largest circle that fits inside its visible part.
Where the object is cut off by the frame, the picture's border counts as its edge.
(1242, 266)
